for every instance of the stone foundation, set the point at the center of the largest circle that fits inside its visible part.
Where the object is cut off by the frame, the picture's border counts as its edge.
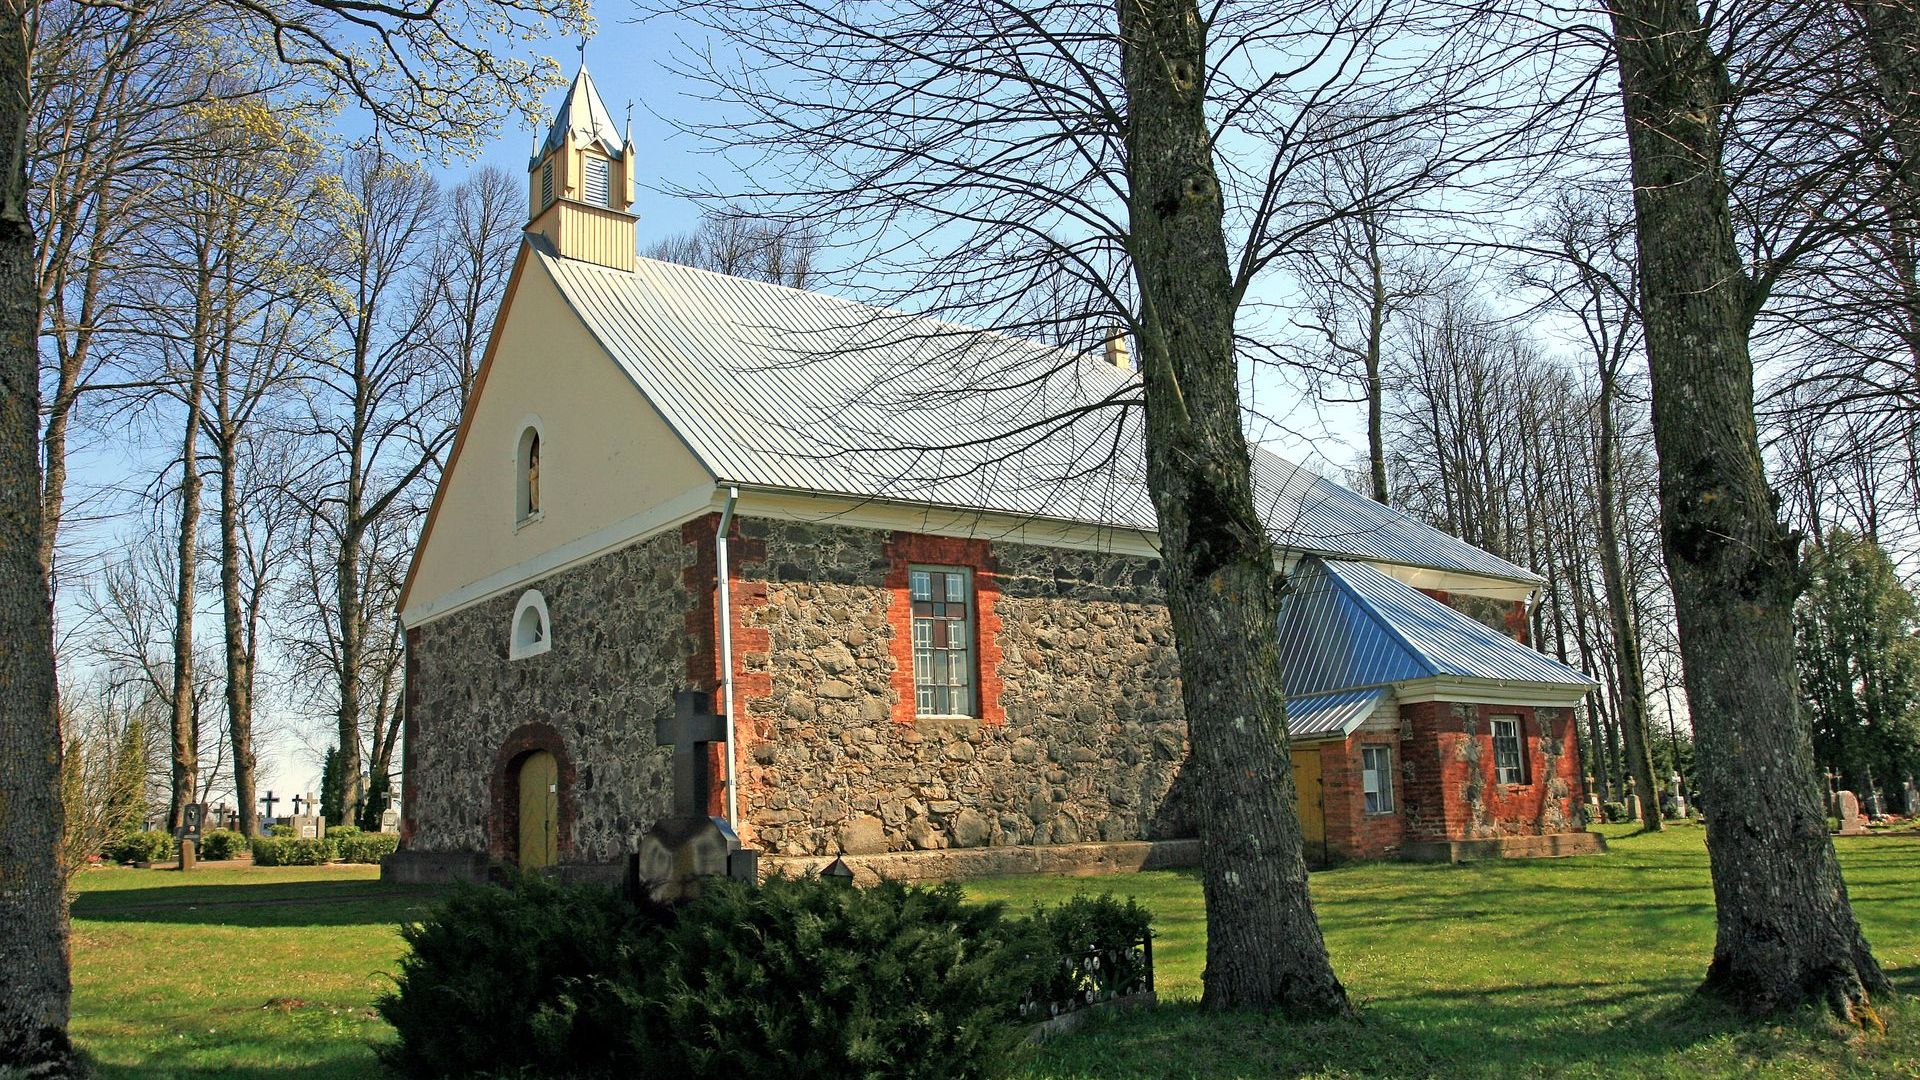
(1076, 860)
(1550, 846)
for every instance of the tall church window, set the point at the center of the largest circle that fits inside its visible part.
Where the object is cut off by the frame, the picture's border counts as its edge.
(527, 483)
(943, 626)
(599, 191)
(1509, 763)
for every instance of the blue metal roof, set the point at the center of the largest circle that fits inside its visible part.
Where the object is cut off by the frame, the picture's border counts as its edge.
(1330, 714)
(1346, 626)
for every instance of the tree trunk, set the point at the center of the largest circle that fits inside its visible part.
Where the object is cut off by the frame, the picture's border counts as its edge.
(1376, 336)
(1785, 932)
(236, 620)
(33, 901)
(1626, 636)
(352, 651)
(1263, 944)
(186, 740)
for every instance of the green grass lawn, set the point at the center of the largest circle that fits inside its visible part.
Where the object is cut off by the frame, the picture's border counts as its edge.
(1576, 967)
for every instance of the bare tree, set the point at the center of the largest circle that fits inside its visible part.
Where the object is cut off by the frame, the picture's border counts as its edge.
(731, 240)
(1785, 928)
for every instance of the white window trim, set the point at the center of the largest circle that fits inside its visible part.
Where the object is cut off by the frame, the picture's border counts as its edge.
(969, 628)
(518, 647)
(1387, 806)
(530, 422)
(1520, 749)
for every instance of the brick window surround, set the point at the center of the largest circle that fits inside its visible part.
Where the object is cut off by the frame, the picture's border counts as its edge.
(503, 818)
(907, 549)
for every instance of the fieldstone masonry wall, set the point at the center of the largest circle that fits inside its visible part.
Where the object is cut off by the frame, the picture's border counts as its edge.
(620, 650)
(1086, 743)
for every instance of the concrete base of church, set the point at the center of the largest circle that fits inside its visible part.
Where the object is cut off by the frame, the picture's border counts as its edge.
(405, 867)
(957, 863)
(1550, 846)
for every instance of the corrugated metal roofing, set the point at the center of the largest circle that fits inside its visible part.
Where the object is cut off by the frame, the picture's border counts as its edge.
(776, 387)
(1330, 714)
(1346, 625)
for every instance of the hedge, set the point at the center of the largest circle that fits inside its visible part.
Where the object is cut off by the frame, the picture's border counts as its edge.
(367, 847)
(292, 851)
(149, 846)
(221, 844)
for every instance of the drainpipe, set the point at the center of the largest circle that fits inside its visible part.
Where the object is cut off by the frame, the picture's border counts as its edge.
(721, 583)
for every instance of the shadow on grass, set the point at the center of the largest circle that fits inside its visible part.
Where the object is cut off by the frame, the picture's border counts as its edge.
(287, 904)
(1583, 1029)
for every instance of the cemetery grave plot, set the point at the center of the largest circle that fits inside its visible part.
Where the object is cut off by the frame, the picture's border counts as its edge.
(1578, 967)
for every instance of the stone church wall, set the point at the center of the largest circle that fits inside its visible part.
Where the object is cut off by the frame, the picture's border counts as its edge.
(619, 652)
(1084, 743)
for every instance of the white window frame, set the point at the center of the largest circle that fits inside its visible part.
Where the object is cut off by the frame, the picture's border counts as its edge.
(1519, 769)
(968, 629)
(594, 169)
(531, 632)
(1381, 778)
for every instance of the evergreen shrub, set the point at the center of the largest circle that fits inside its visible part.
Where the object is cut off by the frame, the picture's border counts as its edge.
(1051, 938)
(341, 832)
(793, 978)
(293, 851)
(280, 830)
(1616, 812)
(367, 847)
(519, 979)
(150, 845)
(221, 844)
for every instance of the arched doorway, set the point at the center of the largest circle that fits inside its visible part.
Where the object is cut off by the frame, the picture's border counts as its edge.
(539, 818)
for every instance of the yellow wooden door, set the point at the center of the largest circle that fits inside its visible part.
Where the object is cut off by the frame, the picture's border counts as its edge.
(1307, 801)
(539, 809)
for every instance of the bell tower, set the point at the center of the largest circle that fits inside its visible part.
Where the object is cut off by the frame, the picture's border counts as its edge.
(580, 181)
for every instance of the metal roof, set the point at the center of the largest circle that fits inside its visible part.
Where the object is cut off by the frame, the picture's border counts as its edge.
(583, 111)
(779, 388)
(1325, 715)
(1346, 625)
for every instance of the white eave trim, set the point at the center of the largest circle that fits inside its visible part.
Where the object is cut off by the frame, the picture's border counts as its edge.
(1491, 691)
(642, 526)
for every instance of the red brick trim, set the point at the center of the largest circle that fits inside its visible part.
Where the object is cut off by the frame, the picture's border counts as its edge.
(503, 817)
(905, 549)
(752, 644)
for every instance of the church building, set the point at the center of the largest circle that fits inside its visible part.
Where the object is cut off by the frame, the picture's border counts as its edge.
(919, 578)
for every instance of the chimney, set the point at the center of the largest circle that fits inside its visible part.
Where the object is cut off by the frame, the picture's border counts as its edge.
(1117, 349)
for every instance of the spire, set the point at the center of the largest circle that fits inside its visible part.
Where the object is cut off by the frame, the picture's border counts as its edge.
(584, 115)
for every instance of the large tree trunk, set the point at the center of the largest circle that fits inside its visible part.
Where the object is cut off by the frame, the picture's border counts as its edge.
(1263, 943)
(1626, 636)
(352, 652)
(1786, 932)
(34, 986)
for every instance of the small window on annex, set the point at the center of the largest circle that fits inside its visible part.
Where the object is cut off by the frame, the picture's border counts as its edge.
(1376, 778)
(942, 599)
(532, 632)
(1509, 763)
(599, 191)
(527, 482)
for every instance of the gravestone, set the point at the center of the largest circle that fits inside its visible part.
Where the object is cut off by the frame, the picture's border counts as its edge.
(389, 820)
(1847, 809)
(1632, 803)
(688, 845)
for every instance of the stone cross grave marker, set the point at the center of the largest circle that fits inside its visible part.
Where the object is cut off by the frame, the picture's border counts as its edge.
(267, 801)
(688, 845)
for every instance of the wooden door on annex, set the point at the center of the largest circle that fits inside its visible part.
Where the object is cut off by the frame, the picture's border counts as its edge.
(1307, 798)
(539, 809)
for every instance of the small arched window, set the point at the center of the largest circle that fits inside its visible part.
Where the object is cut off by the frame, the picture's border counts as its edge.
(532, 632)
(527, 482)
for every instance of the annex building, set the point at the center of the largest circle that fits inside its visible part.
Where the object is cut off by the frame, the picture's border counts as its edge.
(939, 652)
